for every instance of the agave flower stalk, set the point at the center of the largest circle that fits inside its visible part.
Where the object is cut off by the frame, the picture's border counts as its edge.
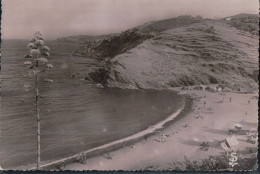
(39, 52)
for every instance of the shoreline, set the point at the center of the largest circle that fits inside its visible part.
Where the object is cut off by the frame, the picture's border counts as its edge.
(210, 124)
(118, 144)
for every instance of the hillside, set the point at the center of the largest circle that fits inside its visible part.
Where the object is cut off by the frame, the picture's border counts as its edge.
(112, 45)
(181, 51)
(85, 39)
(245, 22)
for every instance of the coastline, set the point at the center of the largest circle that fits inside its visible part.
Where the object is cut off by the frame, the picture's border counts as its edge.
(118, 144)
(184, 142)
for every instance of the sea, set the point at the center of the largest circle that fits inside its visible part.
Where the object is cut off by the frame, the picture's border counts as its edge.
(75, 115)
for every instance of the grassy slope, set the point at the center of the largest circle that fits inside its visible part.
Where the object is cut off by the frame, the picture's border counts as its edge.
(179, 52)
(245, 22)
(111, 45)
(201, 53)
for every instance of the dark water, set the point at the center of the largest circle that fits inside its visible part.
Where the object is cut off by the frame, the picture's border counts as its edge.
(75, 115)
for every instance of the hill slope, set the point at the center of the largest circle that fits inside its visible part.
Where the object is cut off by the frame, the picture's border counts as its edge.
(203, 53)
(178, 52)
(112, 45)
(245, 22)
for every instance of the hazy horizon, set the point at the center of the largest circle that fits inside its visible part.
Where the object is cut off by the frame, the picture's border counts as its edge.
(59, 18)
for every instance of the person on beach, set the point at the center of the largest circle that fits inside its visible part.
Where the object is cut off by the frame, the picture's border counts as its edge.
(243, 118)
(249, 101)
(230, 99)
(186, 125)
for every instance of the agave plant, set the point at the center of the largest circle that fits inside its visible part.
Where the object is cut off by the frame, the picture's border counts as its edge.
(39, 52)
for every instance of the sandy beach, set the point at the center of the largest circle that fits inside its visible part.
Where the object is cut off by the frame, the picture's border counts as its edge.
(209, 124)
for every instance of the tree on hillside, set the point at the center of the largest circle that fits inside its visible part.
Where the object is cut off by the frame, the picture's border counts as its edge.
(39, 53)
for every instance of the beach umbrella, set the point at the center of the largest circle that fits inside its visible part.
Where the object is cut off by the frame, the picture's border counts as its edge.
(46, 48)
(49, 66)
(35, 52)
(42, 60)
(27, 63)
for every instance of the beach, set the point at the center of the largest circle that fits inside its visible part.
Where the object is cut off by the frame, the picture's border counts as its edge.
(183, 138)
(129, 86)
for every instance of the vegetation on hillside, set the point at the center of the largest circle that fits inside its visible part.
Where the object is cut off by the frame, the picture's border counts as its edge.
(180, 51)
(213, 163)
(85, 39)
(115, 45)
(246, 22)
(105, 46)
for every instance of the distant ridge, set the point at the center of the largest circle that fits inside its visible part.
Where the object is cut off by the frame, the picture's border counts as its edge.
(112, 45)
(242, 15)
(146, 28)
(85, 38)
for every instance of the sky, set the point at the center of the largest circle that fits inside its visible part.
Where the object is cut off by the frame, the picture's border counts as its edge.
(58, 18)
